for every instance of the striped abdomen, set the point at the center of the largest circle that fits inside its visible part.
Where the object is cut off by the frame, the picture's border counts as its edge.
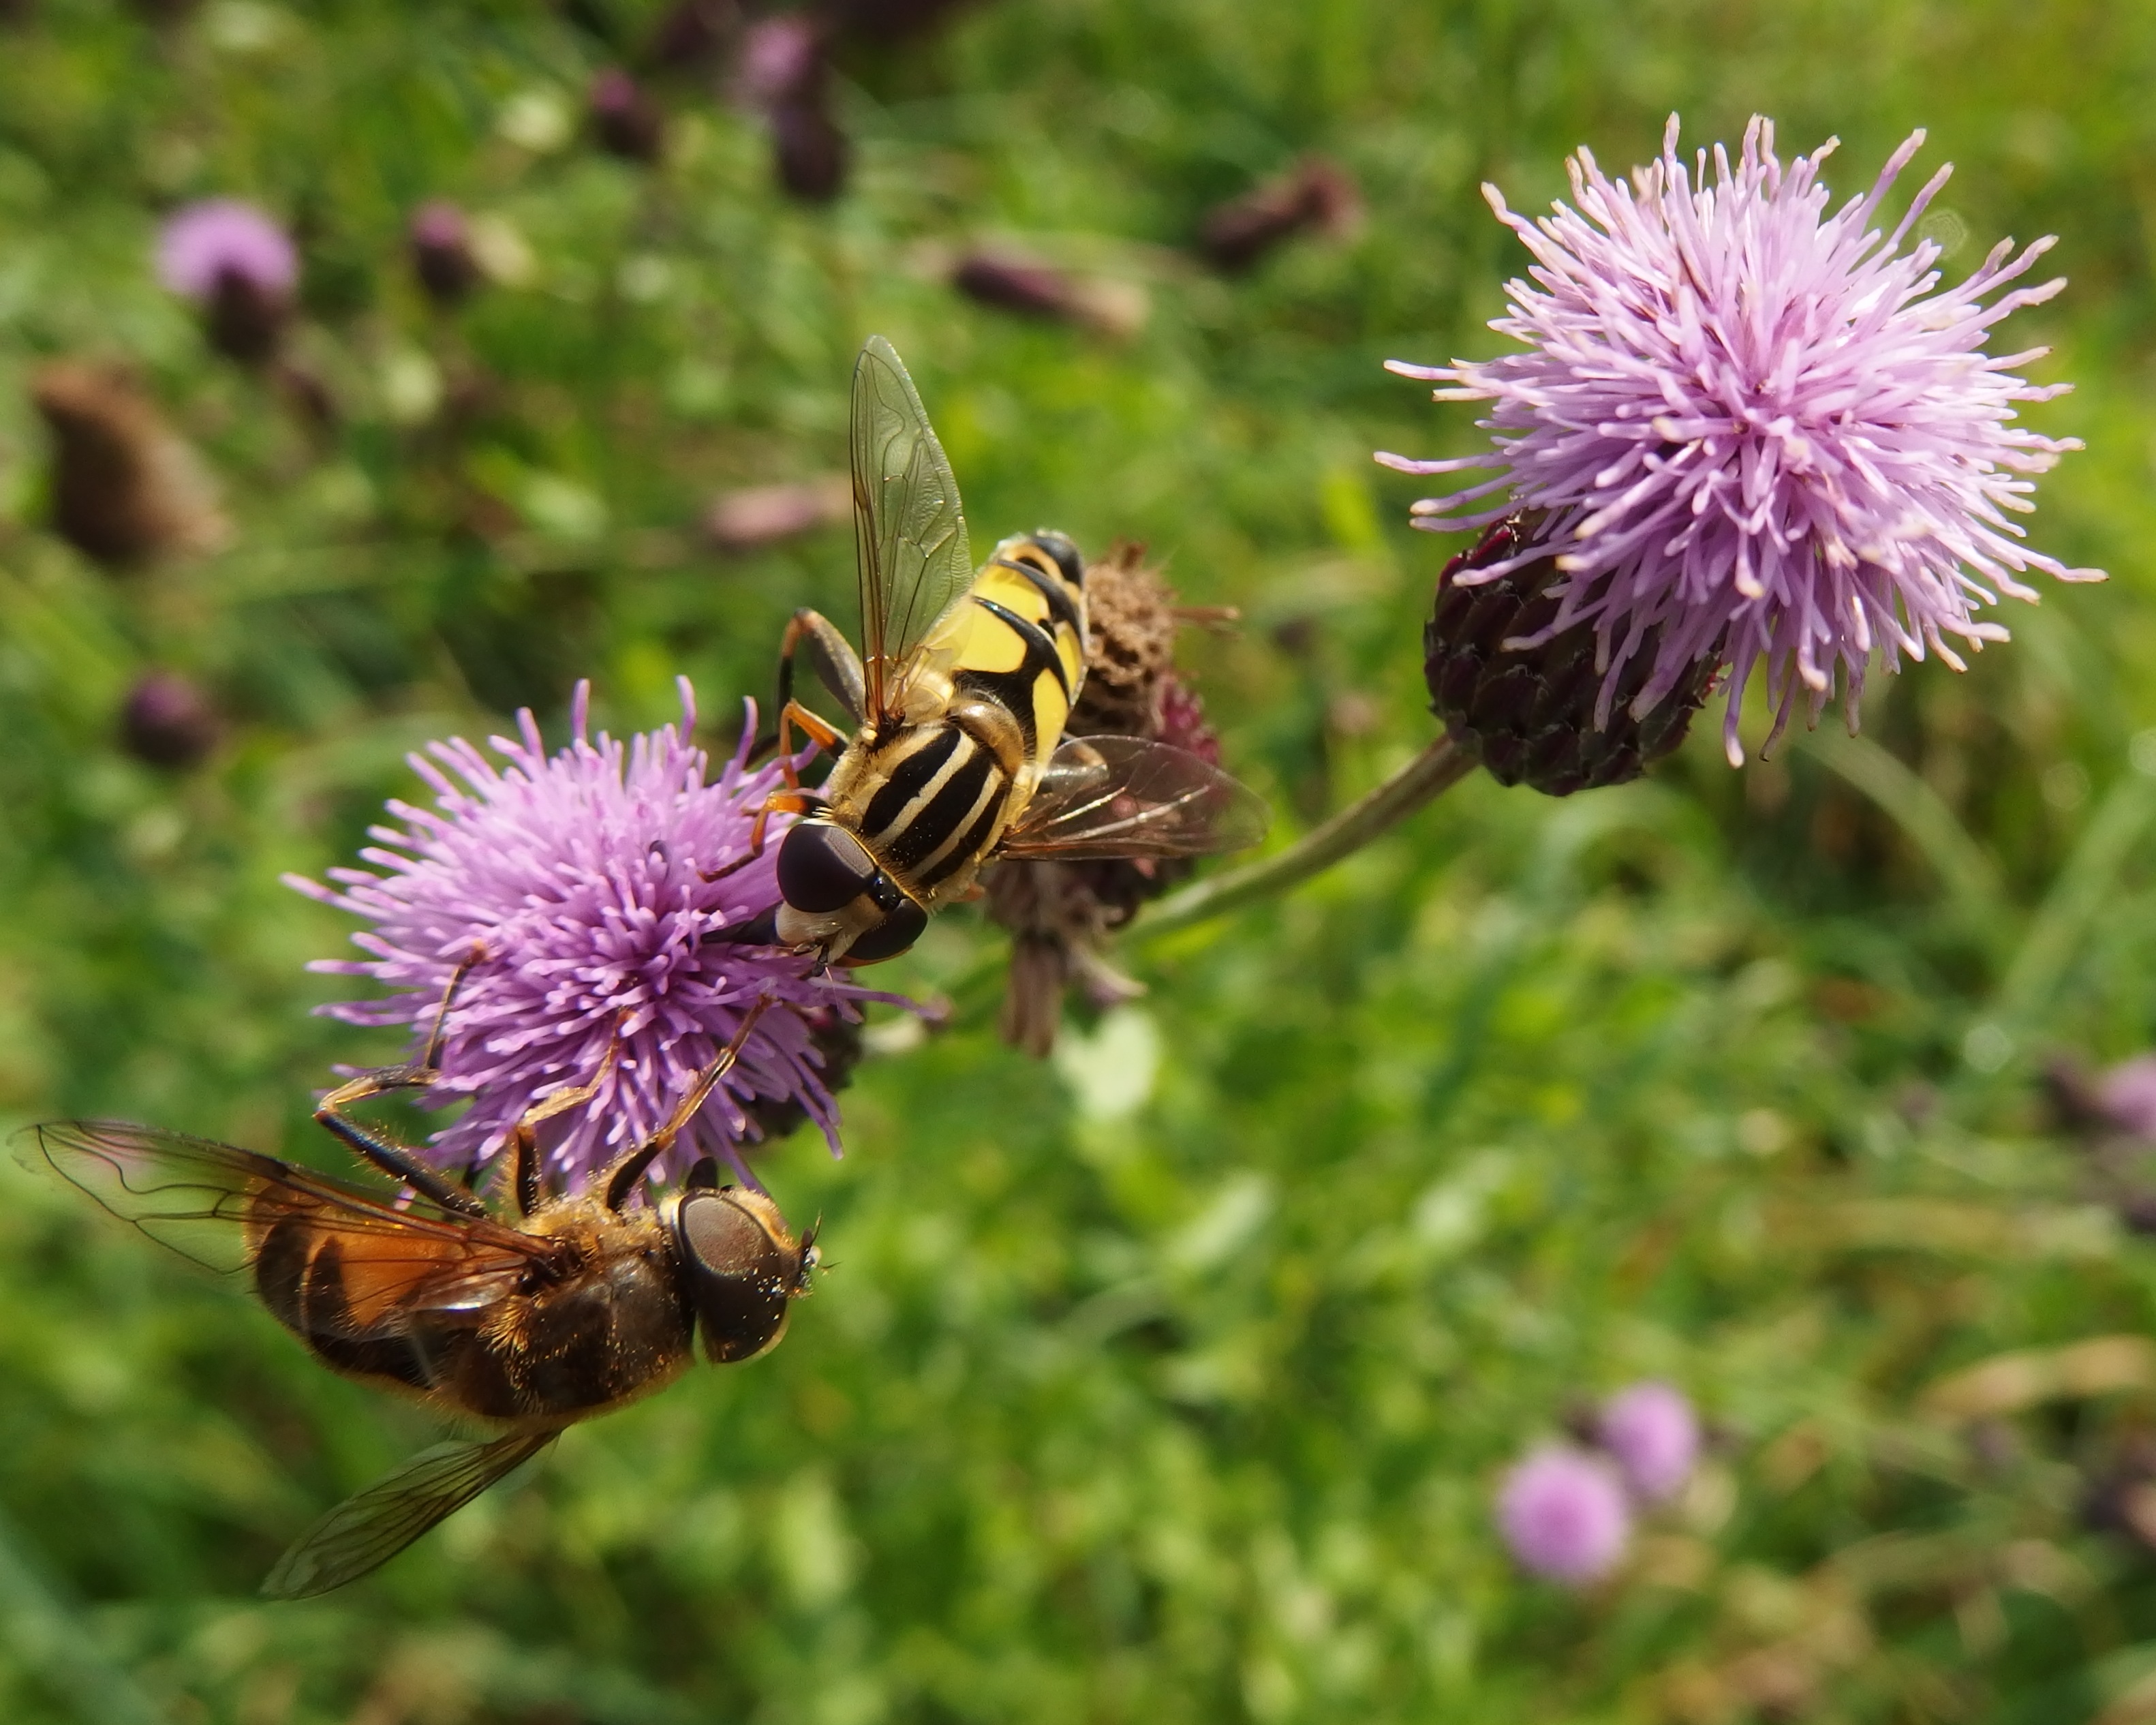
(1019, 641)
(931, 800)
(370, 1307)
(943, 796)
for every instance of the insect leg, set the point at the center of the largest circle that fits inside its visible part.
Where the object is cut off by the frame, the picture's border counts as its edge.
(837, 666)
(393, 1159)
(790, 801)
(827, 738)
(524, 1141)
(622, 1178)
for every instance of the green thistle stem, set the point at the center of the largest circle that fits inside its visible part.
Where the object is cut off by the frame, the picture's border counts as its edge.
(1437, 769)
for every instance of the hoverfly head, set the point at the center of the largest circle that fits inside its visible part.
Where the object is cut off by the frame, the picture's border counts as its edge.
(740, 1267)
(838, 898)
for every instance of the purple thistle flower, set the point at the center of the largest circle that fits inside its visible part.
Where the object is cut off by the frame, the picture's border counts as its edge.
(579, 881)
(203, 243)
(1755, 426)
(1564, 1515)
(1654, 1434)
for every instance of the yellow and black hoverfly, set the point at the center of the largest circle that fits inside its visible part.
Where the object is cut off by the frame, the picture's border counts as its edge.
(521, 1327)
(960, 699)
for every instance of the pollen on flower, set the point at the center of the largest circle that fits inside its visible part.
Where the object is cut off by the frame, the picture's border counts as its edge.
(1759, 432)
(580, 885)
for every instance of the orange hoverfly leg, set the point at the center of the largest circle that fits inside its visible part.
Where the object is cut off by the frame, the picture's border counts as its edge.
(393, 1159)
(524, 1166)
(620, 1179)
(792, 801)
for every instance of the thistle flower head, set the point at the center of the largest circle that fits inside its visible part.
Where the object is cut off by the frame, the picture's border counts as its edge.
(1653, 1434)
(1563, 1516)
(1759, 431)
(578, 887)
(203, 243)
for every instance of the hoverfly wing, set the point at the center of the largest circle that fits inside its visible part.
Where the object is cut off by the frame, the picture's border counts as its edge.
(910, 547)
(1105, 797)
(215, 1203)
(370, 1528)
(193, 1196)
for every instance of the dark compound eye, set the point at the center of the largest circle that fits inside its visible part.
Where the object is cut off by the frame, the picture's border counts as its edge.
(889, 937)
(822, 868)
(741, 1270)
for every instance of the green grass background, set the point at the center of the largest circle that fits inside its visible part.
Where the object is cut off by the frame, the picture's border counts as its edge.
(1178, 1406)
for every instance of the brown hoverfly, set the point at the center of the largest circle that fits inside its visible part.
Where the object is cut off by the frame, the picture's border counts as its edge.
(578, 1305)
(959, 702)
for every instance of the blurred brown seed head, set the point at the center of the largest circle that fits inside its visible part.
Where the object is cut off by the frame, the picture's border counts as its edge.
(764, 515)
(624, 120)
(1317, 195)
(125, 489)
(167, 721)
(439, 238)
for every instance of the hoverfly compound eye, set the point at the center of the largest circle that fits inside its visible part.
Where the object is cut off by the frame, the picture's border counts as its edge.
(742, 1268)
(895, 934)
(822, 868)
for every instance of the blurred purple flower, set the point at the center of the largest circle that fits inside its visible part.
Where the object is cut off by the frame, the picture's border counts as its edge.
(1564, 1515)
(1756, 427)
(439, 236)
(2126, 1095)
(1654, 1434)
(203, 243)
(579, 880)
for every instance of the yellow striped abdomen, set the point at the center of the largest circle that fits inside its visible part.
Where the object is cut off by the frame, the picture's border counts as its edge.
(1018, 639)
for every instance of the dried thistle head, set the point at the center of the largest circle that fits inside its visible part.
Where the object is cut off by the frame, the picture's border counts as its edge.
(126, 489)
(1061, 914)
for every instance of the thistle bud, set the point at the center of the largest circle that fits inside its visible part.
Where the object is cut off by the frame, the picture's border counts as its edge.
(1316, 195)
(1531, 701)
(808, 151)
(167, 721)
(439, 237)
(625, 121)
(240, 267)
(125, 489)
(784, 70)
(693, 36)
(1037, 290)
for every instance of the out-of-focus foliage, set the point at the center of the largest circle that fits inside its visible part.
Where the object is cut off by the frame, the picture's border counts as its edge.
(1168, 1382)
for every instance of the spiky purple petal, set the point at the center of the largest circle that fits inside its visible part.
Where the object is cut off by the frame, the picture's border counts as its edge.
(580, 880)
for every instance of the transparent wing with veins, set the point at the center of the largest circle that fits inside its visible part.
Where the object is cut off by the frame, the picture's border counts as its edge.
(1105, 797)
(910, 546)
